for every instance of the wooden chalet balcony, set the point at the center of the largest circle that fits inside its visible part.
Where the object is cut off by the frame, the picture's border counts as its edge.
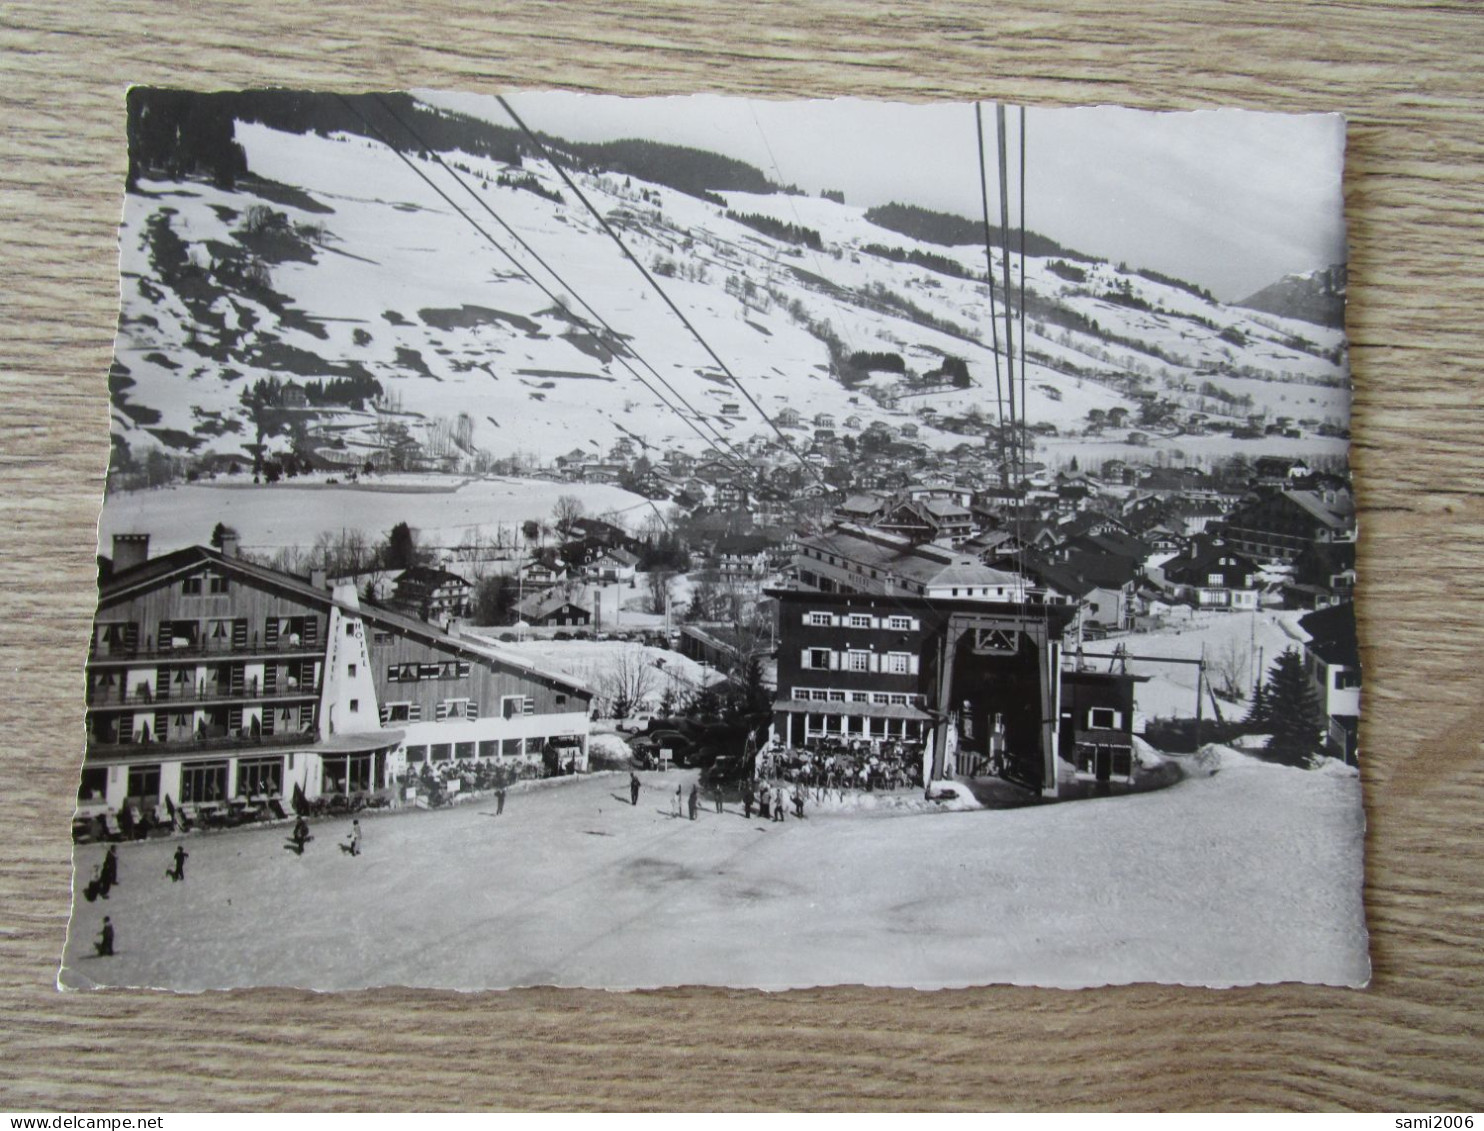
(212, 650)
(105, 697)
(101, 750)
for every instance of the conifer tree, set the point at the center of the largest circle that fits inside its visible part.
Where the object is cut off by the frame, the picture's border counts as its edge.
(1294, 714)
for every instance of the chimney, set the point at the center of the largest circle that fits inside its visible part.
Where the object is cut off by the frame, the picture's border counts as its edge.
(129, 550)
(229, 543)
(317, 578)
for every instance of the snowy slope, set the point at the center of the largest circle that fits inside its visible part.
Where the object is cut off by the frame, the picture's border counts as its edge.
(1249, 875)
(385, 280)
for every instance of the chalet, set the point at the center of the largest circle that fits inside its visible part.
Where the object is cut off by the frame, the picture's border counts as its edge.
(603, 472)
(731, 408)
(292, 395)
(1279, 471)
(215, 685)
(863, 508)
(431, 593)
(1332, 660)
(788, 417)
(824, 420)
(556, 608)
(1101, 585)
(853, 421)
(928, 520)
(1282, 525)
(743, 555)
(731, 494)
(1091, 522)
(1212, 575)
(1323, 575)
(540, 574)
(613, 565)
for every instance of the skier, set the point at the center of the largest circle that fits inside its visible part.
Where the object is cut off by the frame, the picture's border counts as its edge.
(695, 800)
(633, 788)
(747, 799)
(104, 945)
(177, 873)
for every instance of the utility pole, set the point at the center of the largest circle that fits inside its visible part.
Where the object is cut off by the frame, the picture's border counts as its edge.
(1200, 679)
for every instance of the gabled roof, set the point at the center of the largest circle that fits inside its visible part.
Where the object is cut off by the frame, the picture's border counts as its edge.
(549, 600)
(1209, 552)
(156, 571)
(1332, 635)
(431, 576)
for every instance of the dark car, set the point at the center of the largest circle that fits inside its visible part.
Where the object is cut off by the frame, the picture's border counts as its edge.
(647, 747)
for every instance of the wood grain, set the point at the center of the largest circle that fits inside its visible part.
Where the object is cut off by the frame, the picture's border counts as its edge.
(1408, 74)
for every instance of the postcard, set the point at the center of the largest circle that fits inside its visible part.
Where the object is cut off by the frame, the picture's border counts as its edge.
(581, 541)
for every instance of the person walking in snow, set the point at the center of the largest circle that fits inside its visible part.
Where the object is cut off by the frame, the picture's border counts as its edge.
(675, 801)
(799, 801)
(764, 802)
(719, 797)
(104, 945)
(778, 802)
(500, 799)
(300, 836)
(633, 788)
(177, 873)
(110, 872)
(695, 800)
(354, 847)
(747, 799)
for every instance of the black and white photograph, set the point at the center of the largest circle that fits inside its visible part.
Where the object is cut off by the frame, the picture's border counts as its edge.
(580, 541)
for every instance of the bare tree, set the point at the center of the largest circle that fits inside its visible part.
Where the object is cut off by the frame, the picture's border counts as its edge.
(565, 514)
(659, 589)
(1231, 670)
(629, 681)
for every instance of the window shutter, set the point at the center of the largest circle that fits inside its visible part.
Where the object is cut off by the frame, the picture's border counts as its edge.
(415, 713)
(530, 706)
(386, 714)
(834, 661)
(804, 659)
(912, 664)
(471, 710)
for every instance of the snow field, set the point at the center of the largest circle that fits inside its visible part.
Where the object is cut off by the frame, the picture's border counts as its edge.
(1252, 874)
(292, 514)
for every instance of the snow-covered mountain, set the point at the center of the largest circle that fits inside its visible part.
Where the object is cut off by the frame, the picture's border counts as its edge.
(1314, 296)
(333, 264)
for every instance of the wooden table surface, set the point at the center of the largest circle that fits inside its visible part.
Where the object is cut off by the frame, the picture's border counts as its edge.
(1410, 76)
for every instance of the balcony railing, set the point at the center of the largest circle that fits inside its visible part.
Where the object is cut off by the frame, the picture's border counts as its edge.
(286, 648)
(100, 749)
(143, 697)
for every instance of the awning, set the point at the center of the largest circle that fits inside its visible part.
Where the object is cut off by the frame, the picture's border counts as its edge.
(361, 743)
(866, 710)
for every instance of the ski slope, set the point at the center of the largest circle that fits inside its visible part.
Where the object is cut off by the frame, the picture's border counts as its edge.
(1251, 874)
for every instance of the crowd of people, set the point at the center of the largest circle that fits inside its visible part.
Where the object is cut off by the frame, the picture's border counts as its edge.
(834, 764)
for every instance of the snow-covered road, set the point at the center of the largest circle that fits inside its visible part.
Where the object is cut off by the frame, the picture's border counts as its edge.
(1250, 875)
